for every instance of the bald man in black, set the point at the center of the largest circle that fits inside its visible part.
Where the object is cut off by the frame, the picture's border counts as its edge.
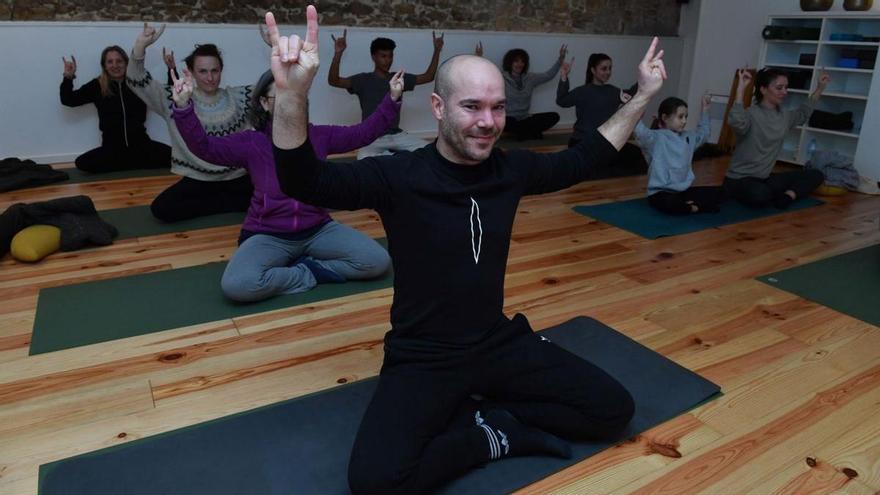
(462, 384)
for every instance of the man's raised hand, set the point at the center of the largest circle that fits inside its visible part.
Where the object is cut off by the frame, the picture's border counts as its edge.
(294, 61)
(340, 43)
(652, 72)
(438, 41)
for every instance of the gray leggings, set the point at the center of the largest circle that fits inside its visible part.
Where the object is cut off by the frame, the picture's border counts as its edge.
(265, 265)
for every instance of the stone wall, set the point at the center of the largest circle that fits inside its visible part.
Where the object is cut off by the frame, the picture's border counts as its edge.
(635, 17)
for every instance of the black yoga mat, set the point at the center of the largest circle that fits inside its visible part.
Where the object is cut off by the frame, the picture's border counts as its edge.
(848, 283)
(637, 216)
(92, 312)
(302, 445)
(138, 221)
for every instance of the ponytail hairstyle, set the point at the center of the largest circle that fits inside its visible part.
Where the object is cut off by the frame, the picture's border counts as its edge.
(595, 60)
(104, 78)
(258, 116)
(765, 78)
(667, 107)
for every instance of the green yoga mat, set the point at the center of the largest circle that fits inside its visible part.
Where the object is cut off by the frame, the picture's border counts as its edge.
(848, 283)
(77, 176)
(92, 312)
(301, 446)
(138, 221)
(637, 216)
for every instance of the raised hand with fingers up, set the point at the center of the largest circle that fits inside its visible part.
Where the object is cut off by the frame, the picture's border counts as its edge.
(294, 64)
(565, 69)
(149, 35)
(145, 38)
(168, 58)
(652, 71)
(294, 61)
(563, 50)
(478, 50)
(340, 44)
(69, 67)
(745, 76)
(438, 41)
(264, 34)
(182, 89)
(395, 85)
(707, 102)
(821, 84)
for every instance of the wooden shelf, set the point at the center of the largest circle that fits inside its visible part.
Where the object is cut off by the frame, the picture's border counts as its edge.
(826, 131)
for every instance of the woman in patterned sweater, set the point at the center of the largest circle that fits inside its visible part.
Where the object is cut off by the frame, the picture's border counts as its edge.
(205, 188)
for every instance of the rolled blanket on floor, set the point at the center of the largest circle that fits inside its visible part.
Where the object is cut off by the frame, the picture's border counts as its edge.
(76, 217)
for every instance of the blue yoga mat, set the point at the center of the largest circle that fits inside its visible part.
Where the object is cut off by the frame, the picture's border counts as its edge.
(637, 216)
(302, 445)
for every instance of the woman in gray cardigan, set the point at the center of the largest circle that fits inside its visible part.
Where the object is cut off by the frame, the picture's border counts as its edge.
(760, 133)
(518, 85)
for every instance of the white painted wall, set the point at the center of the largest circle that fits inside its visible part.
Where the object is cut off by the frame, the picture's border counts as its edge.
(729, 36)
(35, 125)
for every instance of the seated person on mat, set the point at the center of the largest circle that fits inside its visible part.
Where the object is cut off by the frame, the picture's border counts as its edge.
(121, 114)
(371, 86)
(671, 150)
(760, 133)
(594, 103)
(519, 84)
(448, 211)
(205, 188)
(286, 246)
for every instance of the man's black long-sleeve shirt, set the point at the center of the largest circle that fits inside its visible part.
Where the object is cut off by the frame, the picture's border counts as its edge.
(448, 228)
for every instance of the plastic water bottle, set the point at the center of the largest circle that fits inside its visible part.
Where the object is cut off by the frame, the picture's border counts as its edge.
(811, 148)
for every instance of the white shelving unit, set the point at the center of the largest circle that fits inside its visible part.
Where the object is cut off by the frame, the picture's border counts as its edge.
(850, 90)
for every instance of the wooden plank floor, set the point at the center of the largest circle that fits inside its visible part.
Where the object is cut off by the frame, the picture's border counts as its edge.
(801, 382)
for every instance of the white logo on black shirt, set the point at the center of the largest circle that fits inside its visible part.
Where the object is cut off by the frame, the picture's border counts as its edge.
(476, 230)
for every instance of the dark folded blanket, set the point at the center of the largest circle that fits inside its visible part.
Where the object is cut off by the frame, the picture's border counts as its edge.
(18, 174)
(76, 217)
(832, 121)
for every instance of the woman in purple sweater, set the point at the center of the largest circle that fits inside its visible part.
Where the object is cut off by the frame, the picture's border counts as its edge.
(287, 246)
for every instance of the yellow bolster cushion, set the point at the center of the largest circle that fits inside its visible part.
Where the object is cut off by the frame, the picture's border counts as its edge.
(35, 242)
(826, 190)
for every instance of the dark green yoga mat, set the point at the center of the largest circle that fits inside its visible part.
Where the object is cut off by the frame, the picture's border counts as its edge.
(77, 176)
(301, 446)
(92, 312)
(848, 283)
(637, 216)
(138, 221)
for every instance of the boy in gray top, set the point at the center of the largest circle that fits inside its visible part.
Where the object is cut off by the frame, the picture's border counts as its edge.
(371, 87)
(760, 132)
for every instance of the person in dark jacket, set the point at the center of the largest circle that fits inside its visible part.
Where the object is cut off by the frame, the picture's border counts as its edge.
(121, 115)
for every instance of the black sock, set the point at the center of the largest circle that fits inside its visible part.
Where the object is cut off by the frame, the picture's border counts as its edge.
(708, 207)
(782, 201)
(509, 438)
